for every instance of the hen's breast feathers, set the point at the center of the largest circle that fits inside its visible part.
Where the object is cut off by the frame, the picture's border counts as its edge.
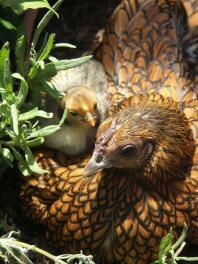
(106, 217)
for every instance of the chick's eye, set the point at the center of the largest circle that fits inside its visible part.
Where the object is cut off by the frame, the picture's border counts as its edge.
(128, 151)
(95, 106)
(85, 118)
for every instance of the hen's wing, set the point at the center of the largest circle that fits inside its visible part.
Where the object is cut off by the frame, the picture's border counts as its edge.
(142, 51)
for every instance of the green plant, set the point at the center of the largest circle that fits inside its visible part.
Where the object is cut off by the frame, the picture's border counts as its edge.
(22, 5)
(19, 127)
(169, 251)
(10, 16)
(15, 251)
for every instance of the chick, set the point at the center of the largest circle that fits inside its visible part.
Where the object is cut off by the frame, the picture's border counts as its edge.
(86, 102)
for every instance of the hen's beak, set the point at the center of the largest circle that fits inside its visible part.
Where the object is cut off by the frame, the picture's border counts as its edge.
(93, 166)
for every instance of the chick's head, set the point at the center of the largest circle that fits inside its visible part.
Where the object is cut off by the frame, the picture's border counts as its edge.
(152, 137)
(81, 105)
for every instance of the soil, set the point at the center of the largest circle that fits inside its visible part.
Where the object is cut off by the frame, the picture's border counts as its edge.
(79, 22)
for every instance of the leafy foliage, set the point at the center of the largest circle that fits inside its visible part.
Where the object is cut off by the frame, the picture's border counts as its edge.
(19, 127)
(20, 5)
(15, 251)
(169, 251)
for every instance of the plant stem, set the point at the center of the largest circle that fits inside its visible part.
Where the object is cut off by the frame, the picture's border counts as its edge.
(36, 249)
(187, 258)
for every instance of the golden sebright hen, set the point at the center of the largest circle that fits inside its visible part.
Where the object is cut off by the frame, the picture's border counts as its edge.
(142, 178)
(138, 184)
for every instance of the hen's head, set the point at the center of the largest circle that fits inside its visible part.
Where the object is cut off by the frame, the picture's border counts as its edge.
(149, 135)
(81, 105)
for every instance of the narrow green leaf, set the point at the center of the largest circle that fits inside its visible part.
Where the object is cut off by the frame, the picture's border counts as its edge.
(4, 108)
(7, 79)
(2, 90)
(47, 48)
(6, 156)
(34, 113)
(14, 116)
(4, 54)
(187, 259)
(182, 238)
(23, 90)
(63, 117)
(35, 142)
(22, 163)
(20, 50)
(35, 4)
(64, 45)
(24, 168)
(6, 153)
(33, 70)
(165, 245)
(10, 133)
(53, 67)
(31, 161)
(40, 50)
(44, 131)
(44, 21)
(20, 6)
(50, 89)
(7, 24)
(52, 58)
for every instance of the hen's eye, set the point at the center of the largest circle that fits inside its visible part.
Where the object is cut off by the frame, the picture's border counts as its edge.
(73, 113)
(128, 151)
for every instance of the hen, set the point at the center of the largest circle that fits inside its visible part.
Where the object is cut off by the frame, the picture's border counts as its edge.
(142, 177)
(85, 99)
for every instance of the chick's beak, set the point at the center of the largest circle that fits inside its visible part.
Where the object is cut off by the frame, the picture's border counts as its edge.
(93, 166)
(91, 119)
